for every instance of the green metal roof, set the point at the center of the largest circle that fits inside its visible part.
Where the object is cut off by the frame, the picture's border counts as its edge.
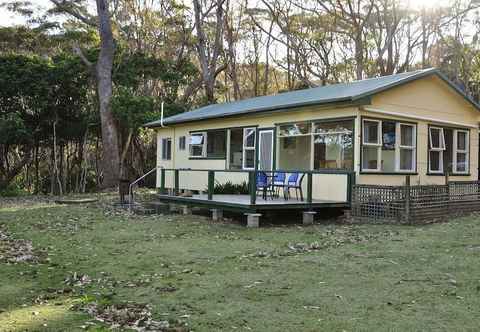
(336, 93)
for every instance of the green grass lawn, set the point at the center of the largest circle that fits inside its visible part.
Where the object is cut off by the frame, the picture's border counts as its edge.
(211, 276)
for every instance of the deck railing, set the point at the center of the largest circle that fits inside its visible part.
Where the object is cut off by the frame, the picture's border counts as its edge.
(251, 175)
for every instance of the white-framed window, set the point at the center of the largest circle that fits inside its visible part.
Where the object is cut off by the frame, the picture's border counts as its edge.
(405, 147)
(371, 145)
(436, 137)
(166, 148)
(388, 146)
(197, 144)
(460, 151)
(249, 138)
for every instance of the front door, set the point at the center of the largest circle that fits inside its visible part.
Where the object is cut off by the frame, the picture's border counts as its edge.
(265, 150)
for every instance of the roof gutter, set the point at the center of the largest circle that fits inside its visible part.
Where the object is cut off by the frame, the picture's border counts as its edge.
(335, 103)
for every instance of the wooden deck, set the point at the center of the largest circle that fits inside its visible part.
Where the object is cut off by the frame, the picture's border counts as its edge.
(242, 202)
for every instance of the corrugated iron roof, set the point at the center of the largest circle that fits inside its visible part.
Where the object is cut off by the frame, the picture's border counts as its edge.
(343, 92)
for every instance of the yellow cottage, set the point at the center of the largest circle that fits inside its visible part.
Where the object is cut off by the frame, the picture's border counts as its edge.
(374, 131)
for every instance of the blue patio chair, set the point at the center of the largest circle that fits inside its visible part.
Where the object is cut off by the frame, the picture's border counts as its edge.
(279, 183)
(294, 182)
(263, 184)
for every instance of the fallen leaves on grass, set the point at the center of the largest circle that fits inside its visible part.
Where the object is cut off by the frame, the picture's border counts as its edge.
(78, 280)
(17, 250)
(137, 317)
(329, 239)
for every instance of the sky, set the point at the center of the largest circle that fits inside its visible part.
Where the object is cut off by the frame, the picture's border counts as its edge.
(7, 18)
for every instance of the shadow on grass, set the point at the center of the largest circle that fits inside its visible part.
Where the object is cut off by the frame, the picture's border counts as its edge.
(42, 317)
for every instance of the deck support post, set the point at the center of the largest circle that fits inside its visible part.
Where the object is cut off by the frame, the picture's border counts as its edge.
(172, 207)
(407, 198)
(217, 214)
(253, 220)
(309, 188)
(186, 210)
(162, 181)
(211, 184)
(252, 182)
(308, 217)
(176, 190)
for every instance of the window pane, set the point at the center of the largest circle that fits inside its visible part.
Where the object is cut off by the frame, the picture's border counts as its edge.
(461, 140)
(164, 148)
(236, 148)
(334, 127)
(249, 139)
(435, 160)
(435, 141)
(181, 143)
(294, 129)
(249, 158)
(370, 132)
(333, 151)
(294, 152)
(389, 130)
(406, 135)
(406, 160)
(196, 139)
(461, 162)
(196, 150)
(369, 157)
(216, 143)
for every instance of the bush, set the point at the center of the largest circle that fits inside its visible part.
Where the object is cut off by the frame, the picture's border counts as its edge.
(229, 188)
(13, 191)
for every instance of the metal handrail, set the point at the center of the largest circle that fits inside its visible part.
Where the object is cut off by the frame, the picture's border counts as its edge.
(130, 187)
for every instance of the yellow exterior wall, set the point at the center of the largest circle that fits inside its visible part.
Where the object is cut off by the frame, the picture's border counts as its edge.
(428, 101)
(427, 98)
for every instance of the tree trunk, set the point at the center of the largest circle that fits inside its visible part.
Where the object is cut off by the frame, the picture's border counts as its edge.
(104, 66)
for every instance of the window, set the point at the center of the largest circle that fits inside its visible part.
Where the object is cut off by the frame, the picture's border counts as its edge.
(448, 150)
(181, 143)
(166, 148)
(437, 146)
(296, 129)
(197, 144)
(236, 148)
(388, 146)
(216, 143)
(294, 146)
(460, 156)
(333, 145)
(371, 145)
(406, 149)
(249, 137)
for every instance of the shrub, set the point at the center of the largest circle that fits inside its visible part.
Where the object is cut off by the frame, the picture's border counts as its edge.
(229, 188)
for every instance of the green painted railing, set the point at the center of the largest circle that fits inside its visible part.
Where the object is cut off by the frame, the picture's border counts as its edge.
(252, 176)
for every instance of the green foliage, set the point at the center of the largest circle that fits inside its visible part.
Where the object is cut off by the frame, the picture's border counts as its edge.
(13, 190)
(133, 111)
(229, 188)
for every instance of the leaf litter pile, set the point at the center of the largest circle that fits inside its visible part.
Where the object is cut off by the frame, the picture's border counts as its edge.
(135, 316)
(17, 250)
